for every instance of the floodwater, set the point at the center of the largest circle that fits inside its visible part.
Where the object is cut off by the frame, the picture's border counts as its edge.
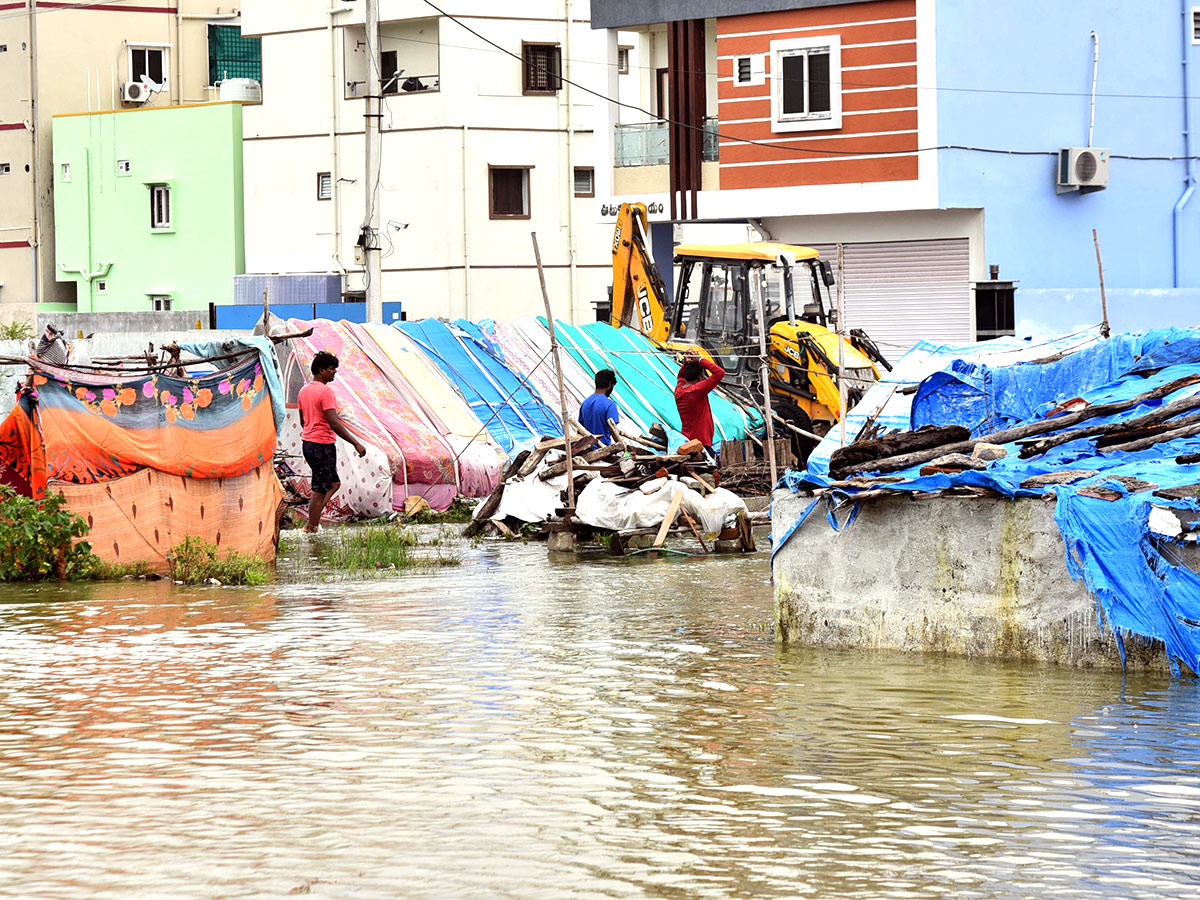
(518, 727)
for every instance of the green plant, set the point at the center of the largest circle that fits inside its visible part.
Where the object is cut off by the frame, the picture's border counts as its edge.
(106, 571)
(196, 561)
(374, 547)
(16, 331)
(40, 539)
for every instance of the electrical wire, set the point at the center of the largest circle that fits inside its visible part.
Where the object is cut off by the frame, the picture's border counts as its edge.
(841, 154)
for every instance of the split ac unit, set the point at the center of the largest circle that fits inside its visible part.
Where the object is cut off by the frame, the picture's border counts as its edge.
(1082, 169)
(134, 92)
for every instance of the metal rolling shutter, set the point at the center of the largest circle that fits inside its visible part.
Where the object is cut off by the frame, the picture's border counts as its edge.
(901, 292)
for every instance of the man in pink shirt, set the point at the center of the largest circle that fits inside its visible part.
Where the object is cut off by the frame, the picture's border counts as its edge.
(321, 427)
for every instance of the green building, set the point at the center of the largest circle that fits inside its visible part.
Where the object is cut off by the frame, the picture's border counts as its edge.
(148, 206)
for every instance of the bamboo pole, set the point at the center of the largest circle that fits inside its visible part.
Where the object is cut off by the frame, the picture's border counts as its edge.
(1104, 329)
(841, 311)
(562, 391)
(756, 287)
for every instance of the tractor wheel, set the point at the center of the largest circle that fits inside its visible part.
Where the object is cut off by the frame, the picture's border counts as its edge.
(801, 446)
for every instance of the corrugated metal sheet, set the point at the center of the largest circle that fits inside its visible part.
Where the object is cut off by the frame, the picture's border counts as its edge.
(901, 292)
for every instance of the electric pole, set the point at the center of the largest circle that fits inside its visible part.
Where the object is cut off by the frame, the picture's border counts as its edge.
(373, 266)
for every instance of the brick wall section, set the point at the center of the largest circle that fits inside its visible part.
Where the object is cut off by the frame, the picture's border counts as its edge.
(879, 98)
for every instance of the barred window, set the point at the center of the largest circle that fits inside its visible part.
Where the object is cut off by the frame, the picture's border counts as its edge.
(232, 56)
(542, 68)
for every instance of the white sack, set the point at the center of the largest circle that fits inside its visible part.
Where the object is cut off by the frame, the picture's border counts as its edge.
(603, 504)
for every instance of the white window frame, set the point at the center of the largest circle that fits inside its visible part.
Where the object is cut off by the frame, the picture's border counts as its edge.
(1193, 22)
(165, 49)
(324, 186)
(758, 69)
(830, 121)
(155, 223)
(166, 300)
(124, 167)
(5, 168)
(102, 286)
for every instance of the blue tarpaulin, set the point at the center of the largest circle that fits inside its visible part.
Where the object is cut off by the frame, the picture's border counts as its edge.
(511, 410)
(1135, 573)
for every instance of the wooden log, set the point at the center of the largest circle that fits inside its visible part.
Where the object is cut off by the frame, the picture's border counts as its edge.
(1183, 492)
(1161, 437)
(908, 442)
(1063, 476)
(696, 531)
(1104, 442)
(581, 443)
(745, 532)
(709, 488)
(531, 463)
(602, 452)
(669, 520)
(1157, 417)
(483, 512)
(1031, 429)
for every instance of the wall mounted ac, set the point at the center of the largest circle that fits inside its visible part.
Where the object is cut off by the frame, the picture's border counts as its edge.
(1083, 169)
(134, 92)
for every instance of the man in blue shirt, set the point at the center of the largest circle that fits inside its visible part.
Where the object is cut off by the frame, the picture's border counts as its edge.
(599, 408)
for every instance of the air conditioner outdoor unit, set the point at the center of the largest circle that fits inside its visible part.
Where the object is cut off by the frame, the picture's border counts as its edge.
(1082, 169)
(134, 92)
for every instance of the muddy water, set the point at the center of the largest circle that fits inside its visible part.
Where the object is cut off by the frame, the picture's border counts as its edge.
(522, 728)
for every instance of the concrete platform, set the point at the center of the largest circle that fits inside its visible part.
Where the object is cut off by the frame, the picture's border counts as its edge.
(965, 576)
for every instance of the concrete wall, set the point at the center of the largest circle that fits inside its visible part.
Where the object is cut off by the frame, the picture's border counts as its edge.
(104, 236)
(970, 577)
(1022, 82)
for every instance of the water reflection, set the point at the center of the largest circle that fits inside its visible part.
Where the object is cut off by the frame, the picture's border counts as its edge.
(524, 728)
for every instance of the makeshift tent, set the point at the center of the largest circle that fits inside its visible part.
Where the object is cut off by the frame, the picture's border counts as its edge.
(647, 378)
(478, 459)
(1111, 520)
(505, 403)
(420, 460)
(525, 347)
(149, 458)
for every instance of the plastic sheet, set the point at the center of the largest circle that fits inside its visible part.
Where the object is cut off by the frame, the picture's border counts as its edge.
(603, 504)
(1138, 578)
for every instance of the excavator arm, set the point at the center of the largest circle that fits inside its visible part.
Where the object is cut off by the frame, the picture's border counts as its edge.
(639, 296)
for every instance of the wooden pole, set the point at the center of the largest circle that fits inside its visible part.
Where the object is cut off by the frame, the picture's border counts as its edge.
(562, 391)
(841, 295)
(764, 369)
(1104, 329)
(266, 315)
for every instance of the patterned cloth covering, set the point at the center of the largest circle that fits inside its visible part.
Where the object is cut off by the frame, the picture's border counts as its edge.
(420, 460)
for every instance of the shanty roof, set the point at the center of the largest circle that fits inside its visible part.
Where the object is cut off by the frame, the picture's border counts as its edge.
(766, 251)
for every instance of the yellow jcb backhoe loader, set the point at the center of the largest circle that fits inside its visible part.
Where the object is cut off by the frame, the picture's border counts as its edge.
(715, 311)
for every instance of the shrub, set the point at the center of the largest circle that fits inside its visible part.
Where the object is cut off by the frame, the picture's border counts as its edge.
(40, 539)
(374, 547)
(16, 331)
(195, 561)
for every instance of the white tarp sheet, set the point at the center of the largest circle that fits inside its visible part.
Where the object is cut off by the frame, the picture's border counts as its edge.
(603, 504)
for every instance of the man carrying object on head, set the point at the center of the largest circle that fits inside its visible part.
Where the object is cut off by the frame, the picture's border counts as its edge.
(697, 378)
(321, 427)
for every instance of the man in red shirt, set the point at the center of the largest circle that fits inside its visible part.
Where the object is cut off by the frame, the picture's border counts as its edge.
(691, 397)
(321, 427)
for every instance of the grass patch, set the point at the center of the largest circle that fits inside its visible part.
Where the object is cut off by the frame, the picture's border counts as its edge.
(106, 571)
(195, 561)
(373, 548)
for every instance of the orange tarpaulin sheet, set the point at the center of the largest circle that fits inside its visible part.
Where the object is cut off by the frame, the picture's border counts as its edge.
(22, 457)
(142, 516)
(98, 426)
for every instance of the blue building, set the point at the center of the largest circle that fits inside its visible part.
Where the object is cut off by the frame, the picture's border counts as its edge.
(930, 151)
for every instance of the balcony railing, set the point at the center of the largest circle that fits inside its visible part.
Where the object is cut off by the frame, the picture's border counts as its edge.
(647, 144)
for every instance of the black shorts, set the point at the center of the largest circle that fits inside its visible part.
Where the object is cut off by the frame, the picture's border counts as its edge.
(322, 459)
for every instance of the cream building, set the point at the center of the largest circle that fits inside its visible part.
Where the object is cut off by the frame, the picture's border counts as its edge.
(78, 57)
(481, 144)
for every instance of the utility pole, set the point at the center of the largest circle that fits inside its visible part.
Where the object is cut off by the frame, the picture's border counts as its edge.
(36, 237)
(372, 116)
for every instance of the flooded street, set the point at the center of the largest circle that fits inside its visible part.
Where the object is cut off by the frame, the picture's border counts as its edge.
(607, 728)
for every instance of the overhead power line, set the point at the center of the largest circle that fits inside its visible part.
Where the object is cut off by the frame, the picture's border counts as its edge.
(842, 154)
